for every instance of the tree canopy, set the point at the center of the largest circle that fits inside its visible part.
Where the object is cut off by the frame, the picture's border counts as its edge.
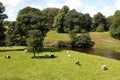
(2, 29)
(115, 26)
(98, 21)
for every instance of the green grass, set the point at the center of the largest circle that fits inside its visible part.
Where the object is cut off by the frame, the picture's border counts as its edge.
(105, 41)
(53, 37)
(22, 67)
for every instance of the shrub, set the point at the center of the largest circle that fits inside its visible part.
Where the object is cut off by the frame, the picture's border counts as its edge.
(100, 28)
(81, 41)
(63, 44)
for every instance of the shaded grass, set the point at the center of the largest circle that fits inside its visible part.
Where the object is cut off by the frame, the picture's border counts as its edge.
(22, 67)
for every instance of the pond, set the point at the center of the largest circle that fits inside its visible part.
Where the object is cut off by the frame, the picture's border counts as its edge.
(99, 52)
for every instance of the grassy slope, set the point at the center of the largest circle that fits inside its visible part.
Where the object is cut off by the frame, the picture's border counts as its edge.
(22, 67)
(105, 41)
(53, 37)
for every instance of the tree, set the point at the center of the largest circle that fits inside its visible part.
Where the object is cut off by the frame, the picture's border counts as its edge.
(51, 13)
(32, 27)
(2, 29)
(59, 19)
(97, 20)
(82, 40)
(11, 34)
(87, 21)
(35, 41)
(115, 27)
(110, 20)
(71, 20)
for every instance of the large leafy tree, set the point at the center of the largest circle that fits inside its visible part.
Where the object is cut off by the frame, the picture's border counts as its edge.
(59, 19)
(35, 41)
(33, 27)
(11, 34)
(51, 13)
(2, 29)
(71, 20)
(28, 18)
(87, 21)
(115, 27)
(25, 21)
(98, 20)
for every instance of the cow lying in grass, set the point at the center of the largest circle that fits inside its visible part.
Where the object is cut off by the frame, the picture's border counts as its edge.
(8, 56)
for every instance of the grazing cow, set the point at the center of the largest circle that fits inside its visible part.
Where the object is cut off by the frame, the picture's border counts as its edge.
(52, 56)
(104, 67)
(7, 56)
(77, 63)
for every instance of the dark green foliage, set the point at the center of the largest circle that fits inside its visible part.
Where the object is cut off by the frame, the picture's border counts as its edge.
(71, 20)
(35, 41)
(51, 13)
(98, 19)
(2, 29)
(82, 40)
(76, 29)
(33, 27)
(59, 19)
(85, 22)
(27, 19)
(115, 27)
(110, 20)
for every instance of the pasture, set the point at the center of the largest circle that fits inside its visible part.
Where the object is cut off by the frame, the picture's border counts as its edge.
(22, 67)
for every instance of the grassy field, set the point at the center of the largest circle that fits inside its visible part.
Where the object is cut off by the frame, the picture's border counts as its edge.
(22, 67)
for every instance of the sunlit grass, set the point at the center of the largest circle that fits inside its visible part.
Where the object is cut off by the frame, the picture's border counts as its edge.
(53, 37)
(22, 67)
(105, 41)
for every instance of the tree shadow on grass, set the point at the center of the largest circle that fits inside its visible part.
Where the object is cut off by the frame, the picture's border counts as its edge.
(12, 50)
(44, 57)
(51, 50)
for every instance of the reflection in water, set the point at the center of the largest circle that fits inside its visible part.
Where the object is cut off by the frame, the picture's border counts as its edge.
(100, 52)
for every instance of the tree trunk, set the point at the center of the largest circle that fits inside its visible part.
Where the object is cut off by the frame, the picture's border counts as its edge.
(34, 54)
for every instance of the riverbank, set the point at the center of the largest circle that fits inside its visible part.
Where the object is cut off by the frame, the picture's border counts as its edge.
(102, 40)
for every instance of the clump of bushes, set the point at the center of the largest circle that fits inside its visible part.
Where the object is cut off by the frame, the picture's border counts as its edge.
(81, 40)
(63, 44)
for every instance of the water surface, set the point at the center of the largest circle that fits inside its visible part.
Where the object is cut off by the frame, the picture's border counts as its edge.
(99, 52)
